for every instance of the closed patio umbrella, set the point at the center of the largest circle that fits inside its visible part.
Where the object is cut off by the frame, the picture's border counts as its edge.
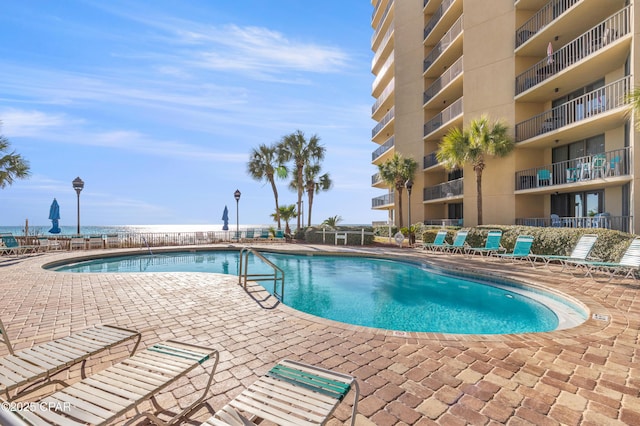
(54, 216)
(225, 218)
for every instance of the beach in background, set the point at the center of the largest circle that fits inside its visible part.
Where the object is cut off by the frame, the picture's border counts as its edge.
(36, 230)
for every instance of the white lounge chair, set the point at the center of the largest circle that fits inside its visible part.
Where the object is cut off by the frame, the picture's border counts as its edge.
(21, 370)
(292, 394)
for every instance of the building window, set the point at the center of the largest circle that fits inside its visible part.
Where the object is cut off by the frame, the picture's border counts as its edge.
(578, 204)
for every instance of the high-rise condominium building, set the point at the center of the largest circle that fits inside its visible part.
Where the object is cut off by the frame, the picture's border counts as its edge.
(557, 72)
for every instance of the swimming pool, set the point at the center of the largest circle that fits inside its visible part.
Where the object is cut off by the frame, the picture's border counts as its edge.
(375, 292)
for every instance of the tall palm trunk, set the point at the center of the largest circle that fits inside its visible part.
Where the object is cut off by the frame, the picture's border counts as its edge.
(310, 192)
(478, 171)
(399, 195)
(275, 196)
(300, 186)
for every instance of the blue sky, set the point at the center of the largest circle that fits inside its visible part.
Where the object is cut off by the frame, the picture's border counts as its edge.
(157, 104)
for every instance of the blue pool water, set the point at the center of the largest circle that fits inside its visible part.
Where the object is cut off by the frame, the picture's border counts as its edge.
(365, 291)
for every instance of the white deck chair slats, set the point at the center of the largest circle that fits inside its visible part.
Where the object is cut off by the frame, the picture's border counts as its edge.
(290, 394)
(132, 381)
(24, 368)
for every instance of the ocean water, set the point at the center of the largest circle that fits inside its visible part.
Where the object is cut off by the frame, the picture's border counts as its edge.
(117, 229)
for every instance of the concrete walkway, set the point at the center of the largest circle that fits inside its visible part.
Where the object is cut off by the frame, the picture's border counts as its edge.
(588, 375)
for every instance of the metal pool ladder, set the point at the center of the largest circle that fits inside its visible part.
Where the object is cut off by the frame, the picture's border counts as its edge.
(244, 276)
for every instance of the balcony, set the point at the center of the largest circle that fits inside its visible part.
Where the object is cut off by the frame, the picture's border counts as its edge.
(443, 81)
(603, 220)
(439, 120)
(430, 160)
(382, 123)
(589, 106)
(381, 49)
(443, 10)
(383, 75)
(450, 189)
(596, 39)
(444, 222)
(611, 168)
(383, 148)
(376, 33)
(376, 179)
(447, 40)
(542, 18)
(383, 96)
(383, 201)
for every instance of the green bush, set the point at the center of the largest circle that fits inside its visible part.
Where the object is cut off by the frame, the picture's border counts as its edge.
(609, 246)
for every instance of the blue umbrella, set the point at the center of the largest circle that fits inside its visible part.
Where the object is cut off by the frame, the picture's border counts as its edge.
(54, 216)
(225, 218)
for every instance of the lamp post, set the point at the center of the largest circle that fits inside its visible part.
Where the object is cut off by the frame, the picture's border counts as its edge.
(78, 185)
(409, 185)
(236, 195)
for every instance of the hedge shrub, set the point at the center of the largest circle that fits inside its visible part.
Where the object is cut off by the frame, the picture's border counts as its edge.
(610, 245)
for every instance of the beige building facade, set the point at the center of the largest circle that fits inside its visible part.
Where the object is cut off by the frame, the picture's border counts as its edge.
(558, 72)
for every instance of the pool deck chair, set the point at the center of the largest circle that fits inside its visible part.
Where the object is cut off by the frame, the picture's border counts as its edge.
(12, 246)
(459, 242)
(292, 394)
(437, 243)
(279, 236)
(521, 250)
(491, 245)
(24, 371)
(629, 263)
(102, 397)
(580, 252)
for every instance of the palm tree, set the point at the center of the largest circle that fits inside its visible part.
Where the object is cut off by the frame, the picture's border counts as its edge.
(395, 172)
(12, 165)
(313, 184)
(287, 213)
(472, 145)
(633, 100)
(265, 163)
(332, 221)
(296, 148)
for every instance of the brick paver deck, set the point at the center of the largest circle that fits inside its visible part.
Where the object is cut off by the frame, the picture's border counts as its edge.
(588, 375)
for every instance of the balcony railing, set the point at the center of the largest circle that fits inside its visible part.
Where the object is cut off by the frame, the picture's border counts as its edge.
(444, 6)
(542, 18)
(383, 200)
(597, 38)
(383, 148)
(383, 70)
(444, 190)
(383, 96)
(445, 41)
(376, 179)
(380, 49)
(618, 223)
(430, 160)
(601, 100)
(583, 169)
(447, 114)
(386, 119)
(447, 77)
(379, 27)
(444, 222)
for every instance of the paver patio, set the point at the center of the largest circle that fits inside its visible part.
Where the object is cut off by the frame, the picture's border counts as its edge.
(588, 375)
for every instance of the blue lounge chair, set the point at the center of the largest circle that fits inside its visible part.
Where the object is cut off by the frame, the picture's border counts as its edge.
(279, 235)
(459, 241)
(437, 243)
(580, 252)
(629, 263)
(491, 245)
(521, 250)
